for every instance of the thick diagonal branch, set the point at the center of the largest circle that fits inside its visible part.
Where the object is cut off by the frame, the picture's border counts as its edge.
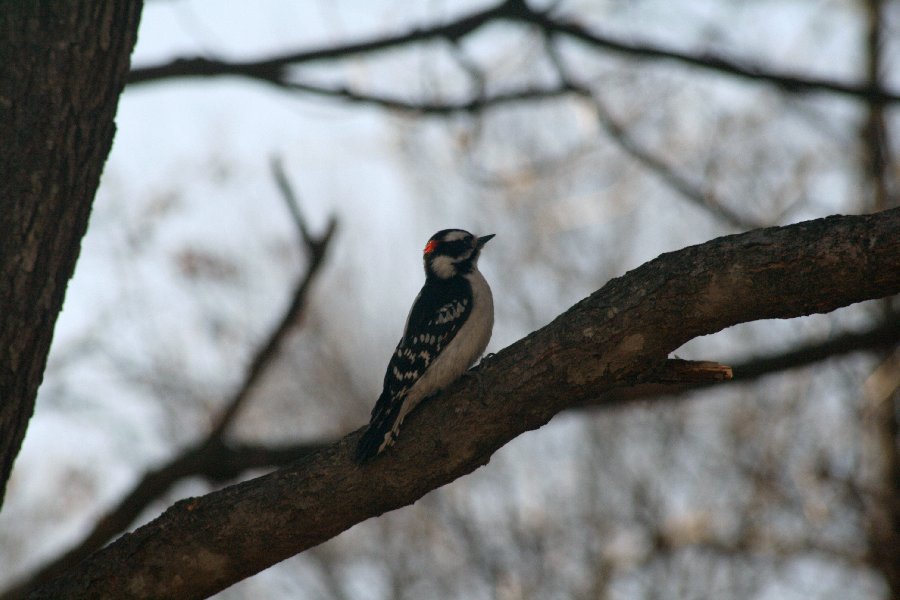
(620, 335)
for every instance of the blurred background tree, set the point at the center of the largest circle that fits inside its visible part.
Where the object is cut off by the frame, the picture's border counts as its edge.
(229, 312)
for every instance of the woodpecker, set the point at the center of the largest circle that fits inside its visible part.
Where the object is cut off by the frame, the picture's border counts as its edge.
(447, 330)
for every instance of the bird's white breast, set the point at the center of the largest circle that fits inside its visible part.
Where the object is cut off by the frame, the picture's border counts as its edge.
(465, 347)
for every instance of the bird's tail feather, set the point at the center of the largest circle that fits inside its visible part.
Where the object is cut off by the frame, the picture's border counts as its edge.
(380, 432)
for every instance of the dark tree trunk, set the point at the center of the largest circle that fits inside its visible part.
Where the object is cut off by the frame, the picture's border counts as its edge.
(63, 67)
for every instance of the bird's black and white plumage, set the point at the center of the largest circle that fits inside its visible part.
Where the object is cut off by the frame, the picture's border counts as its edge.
(447, 329)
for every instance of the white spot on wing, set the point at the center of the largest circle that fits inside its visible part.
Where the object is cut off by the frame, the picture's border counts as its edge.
(450, 312)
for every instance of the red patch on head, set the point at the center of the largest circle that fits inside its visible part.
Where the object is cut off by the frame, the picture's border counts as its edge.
(430, 246)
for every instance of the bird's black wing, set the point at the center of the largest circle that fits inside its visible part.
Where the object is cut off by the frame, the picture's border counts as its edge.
(432, 323)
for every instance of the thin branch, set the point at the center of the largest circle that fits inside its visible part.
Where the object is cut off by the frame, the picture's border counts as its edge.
(316, 248)
(884, 335)
(655, 164)
(471, 68)
(275, 69)
(293, 204)
(667, 173)
(785, 80)
(881, 336)
(475, 103)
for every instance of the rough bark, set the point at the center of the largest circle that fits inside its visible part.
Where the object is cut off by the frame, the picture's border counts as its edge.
(63, 67)
(620, 335)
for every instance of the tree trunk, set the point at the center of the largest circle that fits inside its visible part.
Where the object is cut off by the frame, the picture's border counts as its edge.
(63, 67)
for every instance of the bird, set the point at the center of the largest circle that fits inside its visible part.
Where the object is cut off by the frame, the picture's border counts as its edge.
(447, 330)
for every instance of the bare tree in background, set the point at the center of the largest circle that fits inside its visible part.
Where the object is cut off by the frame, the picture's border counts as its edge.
(779, 497)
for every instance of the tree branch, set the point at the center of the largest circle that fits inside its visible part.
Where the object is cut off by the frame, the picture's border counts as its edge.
(784, 80)
(316, 247)
(275, 69)
(620, 335)
(655, 164)
(884, 335)
(223, 461)
(227, 461)
(473, 104)
(276, 66)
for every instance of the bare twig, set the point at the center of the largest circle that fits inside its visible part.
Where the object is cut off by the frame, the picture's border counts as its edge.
(293, 204)
(784, 80)
(881, 336)
(657, 165)
(315, 247)
(473, 104)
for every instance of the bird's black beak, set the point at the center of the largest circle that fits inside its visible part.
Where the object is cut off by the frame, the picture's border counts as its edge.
(483, 240)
